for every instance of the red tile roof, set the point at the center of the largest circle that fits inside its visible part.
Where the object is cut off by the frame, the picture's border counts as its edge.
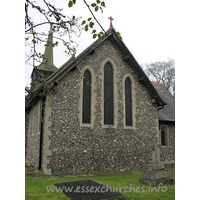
(155, 82)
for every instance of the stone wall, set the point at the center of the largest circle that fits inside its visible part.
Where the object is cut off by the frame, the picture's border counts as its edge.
(26, 129)
(46, 151)
(78, 149)
(33, 135)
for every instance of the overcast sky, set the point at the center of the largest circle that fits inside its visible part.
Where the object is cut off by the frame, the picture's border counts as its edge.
(147, 28)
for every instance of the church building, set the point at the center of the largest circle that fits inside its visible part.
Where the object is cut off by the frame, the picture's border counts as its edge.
(98, 112)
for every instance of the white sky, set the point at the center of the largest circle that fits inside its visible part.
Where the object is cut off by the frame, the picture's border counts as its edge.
(147, 28)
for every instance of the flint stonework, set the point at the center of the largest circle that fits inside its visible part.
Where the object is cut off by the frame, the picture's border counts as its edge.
(78, 149)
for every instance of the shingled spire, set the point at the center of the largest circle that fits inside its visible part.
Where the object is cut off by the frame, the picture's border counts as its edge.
(47, 63)
(46, 68)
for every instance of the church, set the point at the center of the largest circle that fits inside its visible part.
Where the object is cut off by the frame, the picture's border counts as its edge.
(98, 112)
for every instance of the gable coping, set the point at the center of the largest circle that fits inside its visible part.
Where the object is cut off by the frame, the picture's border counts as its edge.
(128, 57)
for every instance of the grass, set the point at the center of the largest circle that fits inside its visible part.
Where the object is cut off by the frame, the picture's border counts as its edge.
(36, 186)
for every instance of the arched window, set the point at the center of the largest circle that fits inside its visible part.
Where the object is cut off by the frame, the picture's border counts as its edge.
(86, 112)
(128, 102)
(108, 95)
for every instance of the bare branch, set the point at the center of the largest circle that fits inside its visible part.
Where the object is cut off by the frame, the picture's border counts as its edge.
(163, 72)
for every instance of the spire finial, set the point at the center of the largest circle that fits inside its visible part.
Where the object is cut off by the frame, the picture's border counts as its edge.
(111, 19)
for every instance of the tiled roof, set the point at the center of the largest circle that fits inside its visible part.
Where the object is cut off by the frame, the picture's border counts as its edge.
(168, 112)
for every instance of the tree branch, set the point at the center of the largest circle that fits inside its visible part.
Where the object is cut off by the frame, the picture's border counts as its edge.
(94, 17)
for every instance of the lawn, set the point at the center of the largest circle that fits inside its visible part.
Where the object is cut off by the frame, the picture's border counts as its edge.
(36, 186)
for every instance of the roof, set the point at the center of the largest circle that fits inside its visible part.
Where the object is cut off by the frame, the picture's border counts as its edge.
(168, 112)
(127, 56)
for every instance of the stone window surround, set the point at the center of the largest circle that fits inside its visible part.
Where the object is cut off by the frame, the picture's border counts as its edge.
(114, 92)
(167, 136)
(133, 101)
(93, 97)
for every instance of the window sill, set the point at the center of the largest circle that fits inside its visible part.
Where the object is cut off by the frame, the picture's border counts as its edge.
(129, 127)
(109, 126)
(86, 125)
(164, 147)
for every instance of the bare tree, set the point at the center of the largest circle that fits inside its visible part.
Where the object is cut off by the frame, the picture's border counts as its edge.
(163, 72)
(66, 27)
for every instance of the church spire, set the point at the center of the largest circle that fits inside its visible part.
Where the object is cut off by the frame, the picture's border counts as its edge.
(46, 68)
(48, 53)
(47, 62)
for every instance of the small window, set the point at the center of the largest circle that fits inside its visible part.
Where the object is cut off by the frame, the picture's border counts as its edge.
(164, 136)
(86, 113)
(128, 102)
